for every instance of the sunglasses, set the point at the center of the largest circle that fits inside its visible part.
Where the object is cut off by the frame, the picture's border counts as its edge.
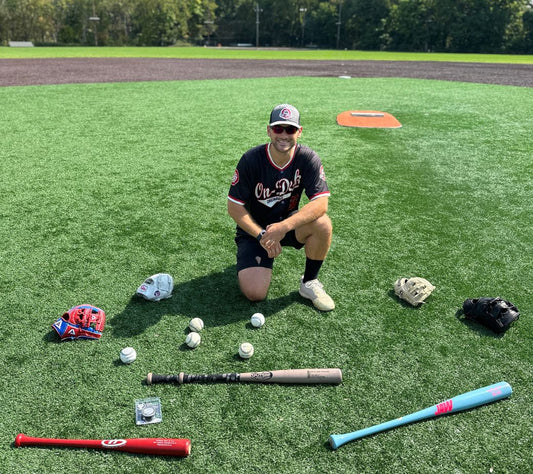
(289, 129)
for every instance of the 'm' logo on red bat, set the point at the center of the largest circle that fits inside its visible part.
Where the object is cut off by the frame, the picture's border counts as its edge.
(444, 407)
(113, 443)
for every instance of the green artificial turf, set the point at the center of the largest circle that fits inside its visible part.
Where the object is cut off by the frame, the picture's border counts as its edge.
(254, 53)
(103, 185)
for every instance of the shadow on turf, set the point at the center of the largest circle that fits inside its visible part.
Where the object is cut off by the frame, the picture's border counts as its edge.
(405, 304)
(215, 298)
(474, 326)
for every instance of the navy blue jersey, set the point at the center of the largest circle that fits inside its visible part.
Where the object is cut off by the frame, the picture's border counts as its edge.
(271, 193)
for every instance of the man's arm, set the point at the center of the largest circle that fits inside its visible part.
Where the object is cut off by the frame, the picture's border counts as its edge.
(308, 213)
(243, 218)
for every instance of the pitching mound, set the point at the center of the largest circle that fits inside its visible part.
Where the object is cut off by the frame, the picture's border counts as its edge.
(367, 119)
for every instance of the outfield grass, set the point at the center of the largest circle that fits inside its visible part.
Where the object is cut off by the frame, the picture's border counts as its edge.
(253, 53)
(105, 184)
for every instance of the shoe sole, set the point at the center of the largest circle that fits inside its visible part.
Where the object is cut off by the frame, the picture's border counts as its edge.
(320, 309)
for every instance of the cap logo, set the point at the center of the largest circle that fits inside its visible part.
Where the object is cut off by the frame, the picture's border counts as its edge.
(285, 113)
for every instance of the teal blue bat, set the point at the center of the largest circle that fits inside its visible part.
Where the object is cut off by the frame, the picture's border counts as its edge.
(468, 400)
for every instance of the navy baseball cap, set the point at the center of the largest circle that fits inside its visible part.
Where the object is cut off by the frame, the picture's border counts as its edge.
(285, 114)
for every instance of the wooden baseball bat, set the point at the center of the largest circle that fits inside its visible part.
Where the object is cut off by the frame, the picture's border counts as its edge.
(291, 376)
(468, 400)
(158, 446)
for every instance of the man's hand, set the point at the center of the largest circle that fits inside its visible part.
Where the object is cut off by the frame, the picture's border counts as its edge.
(275, 232)
(272, 238)
(272, 247)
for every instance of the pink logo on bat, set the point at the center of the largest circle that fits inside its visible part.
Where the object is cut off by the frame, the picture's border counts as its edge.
(444, 407)
(495, 391)
(113, 443)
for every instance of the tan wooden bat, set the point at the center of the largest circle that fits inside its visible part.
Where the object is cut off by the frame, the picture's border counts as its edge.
(290, 376)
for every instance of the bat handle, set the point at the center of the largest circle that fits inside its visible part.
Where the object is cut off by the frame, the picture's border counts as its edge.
(210, 378)
(152, 378)
(182, 378)
(336, 441)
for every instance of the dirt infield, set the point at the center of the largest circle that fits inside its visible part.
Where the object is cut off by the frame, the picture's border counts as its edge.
(23, 72)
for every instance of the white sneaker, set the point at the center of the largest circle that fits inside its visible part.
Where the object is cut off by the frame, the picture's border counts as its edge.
(314, 290)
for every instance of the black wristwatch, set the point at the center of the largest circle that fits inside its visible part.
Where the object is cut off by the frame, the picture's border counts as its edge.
(260, 235)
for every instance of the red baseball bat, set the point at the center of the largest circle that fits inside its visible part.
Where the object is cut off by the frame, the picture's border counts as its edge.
(158, 446)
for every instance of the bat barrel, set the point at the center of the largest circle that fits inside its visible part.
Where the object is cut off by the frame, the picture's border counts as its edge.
(295, 376)
(156, 446)
(474, 398)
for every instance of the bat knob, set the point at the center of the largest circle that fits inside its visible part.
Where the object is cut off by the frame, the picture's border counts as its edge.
(333, 441)
(148, 380)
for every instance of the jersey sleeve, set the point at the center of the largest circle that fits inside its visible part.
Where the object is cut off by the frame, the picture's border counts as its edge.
(239, 191)
(315, 182)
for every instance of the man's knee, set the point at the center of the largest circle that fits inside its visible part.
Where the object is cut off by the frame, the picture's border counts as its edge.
(254, 283)
(317, 231)
(322, 228)
(324, 224)
(254, 294)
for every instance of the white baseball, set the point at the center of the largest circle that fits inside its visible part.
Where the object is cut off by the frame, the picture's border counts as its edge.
(128, 355)
(246, 350)
(193, 339)
(196, 325)
(257, 320)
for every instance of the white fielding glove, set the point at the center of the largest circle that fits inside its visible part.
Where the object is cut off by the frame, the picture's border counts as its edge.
(157, 287)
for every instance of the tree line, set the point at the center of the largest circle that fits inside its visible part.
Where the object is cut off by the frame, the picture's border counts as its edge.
(474, 26)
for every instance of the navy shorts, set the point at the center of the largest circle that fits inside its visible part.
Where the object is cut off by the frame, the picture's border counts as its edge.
(251, 254)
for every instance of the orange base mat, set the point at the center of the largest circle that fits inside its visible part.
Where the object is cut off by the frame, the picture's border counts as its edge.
(367, 119)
